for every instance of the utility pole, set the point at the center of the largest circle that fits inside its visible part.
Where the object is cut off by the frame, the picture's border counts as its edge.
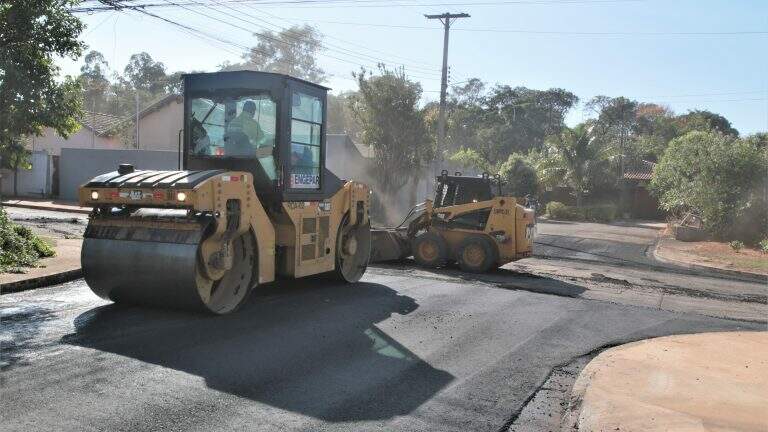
(137, 119)
(447, 19)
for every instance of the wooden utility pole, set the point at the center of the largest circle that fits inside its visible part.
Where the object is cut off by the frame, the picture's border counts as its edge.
(447, 19)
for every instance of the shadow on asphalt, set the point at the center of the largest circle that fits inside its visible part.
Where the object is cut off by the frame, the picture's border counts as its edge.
(311, 347)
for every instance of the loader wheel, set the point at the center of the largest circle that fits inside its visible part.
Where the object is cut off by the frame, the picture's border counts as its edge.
(430, 250)
(353, 250)
(476, 254)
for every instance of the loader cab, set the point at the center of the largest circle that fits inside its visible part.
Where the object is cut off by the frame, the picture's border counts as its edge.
(451, 190)
(270, 125)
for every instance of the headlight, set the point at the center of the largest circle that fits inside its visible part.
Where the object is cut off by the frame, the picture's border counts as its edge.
(181, 196)
(94, 195)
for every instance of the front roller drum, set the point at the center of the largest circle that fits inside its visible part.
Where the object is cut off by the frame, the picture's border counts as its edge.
(166, 274)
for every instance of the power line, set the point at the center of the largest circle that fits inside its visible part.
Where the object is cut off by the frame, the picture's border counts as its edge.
(547, 32)
(376, 3)
(334, 48)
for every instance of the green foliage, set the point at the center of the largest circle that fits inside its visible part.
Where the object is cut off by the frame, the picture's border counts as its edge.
(721, 177)
(471, 158)
(573, 157)
(19, 246)
(341, 119)
(556, 210)
(291, 51)
(736, 245)
(32, 34)
(598, 213)
(386, 108)
(763, 245)
(518, 176)
(495, 124)
(705, 121)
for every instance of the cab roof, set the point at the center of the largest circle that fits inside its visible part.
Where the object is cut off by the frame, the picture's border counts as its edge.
(242, 79)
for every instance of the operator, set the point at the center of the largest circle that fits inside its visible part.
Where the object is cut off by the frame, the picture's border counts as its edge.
(246, 124)
(262, 147)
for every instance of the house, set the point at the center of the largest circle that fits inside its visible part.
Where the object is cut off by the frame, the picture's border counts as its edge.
(346, 159)
(160, 124)
(97, 130)
(640, 203)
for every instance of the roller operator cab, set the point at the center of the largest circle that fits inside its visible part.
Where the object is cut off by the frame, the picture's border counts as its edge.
(252, 202)
(465, 223)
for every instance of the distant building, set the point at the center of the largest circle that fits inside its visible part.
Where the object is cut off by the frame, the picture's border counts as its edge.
(346, 159)
(160, 124)
(97, 130)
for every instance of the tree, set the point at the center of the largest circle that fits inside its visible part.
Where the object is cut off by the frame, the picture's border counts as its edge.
(719, 176)
(655, 127)
(93, 78)
(33, 97)
(386, 107)
(291, 51)
(13, 156)
(518, 176)
(705, 121)
(502, 122)
(575, 158)
(145, 74)
(341, 119)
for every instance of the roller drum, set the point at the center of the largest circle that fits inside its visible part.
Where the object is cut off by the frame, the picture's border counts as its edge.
(140, 272)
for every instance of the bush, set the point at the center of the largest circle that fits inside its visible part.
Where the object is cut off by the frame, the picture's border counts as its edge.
(736, 245)
(597, 213)
(763, 245)
(519, 177)
(19, 246)
(721, 177)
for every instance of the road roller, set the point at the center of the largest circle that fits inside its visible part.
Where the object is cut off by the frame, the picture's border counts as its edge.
(466, 224)
(250, 202)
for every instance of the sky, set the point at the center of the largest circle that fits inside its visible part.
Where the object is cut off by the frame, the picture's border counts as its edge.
(685, 54)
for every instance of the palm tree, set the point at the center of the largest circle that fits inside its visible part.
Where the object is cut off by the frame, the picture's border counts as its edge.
(577, 158)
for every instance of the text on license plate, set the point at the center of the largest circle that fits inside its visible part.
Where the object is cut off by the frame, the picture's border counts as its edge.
(136, 195)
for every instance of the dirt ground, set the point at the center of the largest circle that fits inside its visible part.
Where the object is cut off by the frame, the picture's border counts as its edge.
(715, 254)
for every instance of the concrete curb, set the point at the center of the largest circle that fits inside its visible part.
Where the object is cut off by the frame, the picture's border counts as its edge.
(41, 282)
(48, 208)
(734, 274)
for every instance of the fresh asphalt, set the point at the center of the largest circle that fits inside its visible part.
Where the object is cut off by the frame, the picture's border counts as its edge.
(402, 350)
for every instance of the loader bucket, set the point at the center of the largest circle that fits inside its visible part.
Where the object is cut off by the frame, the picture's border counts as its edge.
(389, 245)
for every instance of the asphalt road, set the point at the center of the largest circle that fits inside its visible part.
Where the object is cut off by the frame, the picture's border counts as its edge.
(391, 353)
(407, 349)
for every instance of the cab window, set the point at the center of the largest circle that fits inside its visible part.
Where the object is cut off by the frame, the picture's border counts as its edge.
(306, 125)
(238, 127)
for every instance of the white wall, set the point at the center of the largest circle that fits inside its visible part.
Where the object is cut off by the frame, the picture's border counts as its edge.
(159, 130)
(52, 142)
(34, 182)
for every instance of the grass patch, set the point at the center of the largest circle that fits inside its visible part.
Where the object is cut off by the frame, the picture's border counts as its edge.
(20, 247)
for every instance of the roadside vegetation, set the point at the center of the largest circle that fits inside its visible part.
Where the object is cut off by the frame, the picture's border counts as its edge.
(19, 246)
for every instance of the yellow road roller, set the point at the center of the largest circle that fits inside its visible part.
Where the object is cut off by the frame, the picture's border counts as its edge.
(250, 202)
(466, 224)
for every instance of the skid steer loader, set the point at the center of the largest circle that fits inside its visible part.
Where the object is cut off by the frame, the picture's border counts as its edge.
(252, 201)
(465, 224)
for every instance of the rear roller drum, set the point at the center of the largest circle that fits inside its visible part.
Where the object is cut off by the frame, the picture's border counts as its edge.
(353, 250)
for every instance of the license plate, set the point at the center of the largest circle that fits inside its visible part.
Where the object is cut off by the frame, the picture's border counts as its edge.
(136, 195)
